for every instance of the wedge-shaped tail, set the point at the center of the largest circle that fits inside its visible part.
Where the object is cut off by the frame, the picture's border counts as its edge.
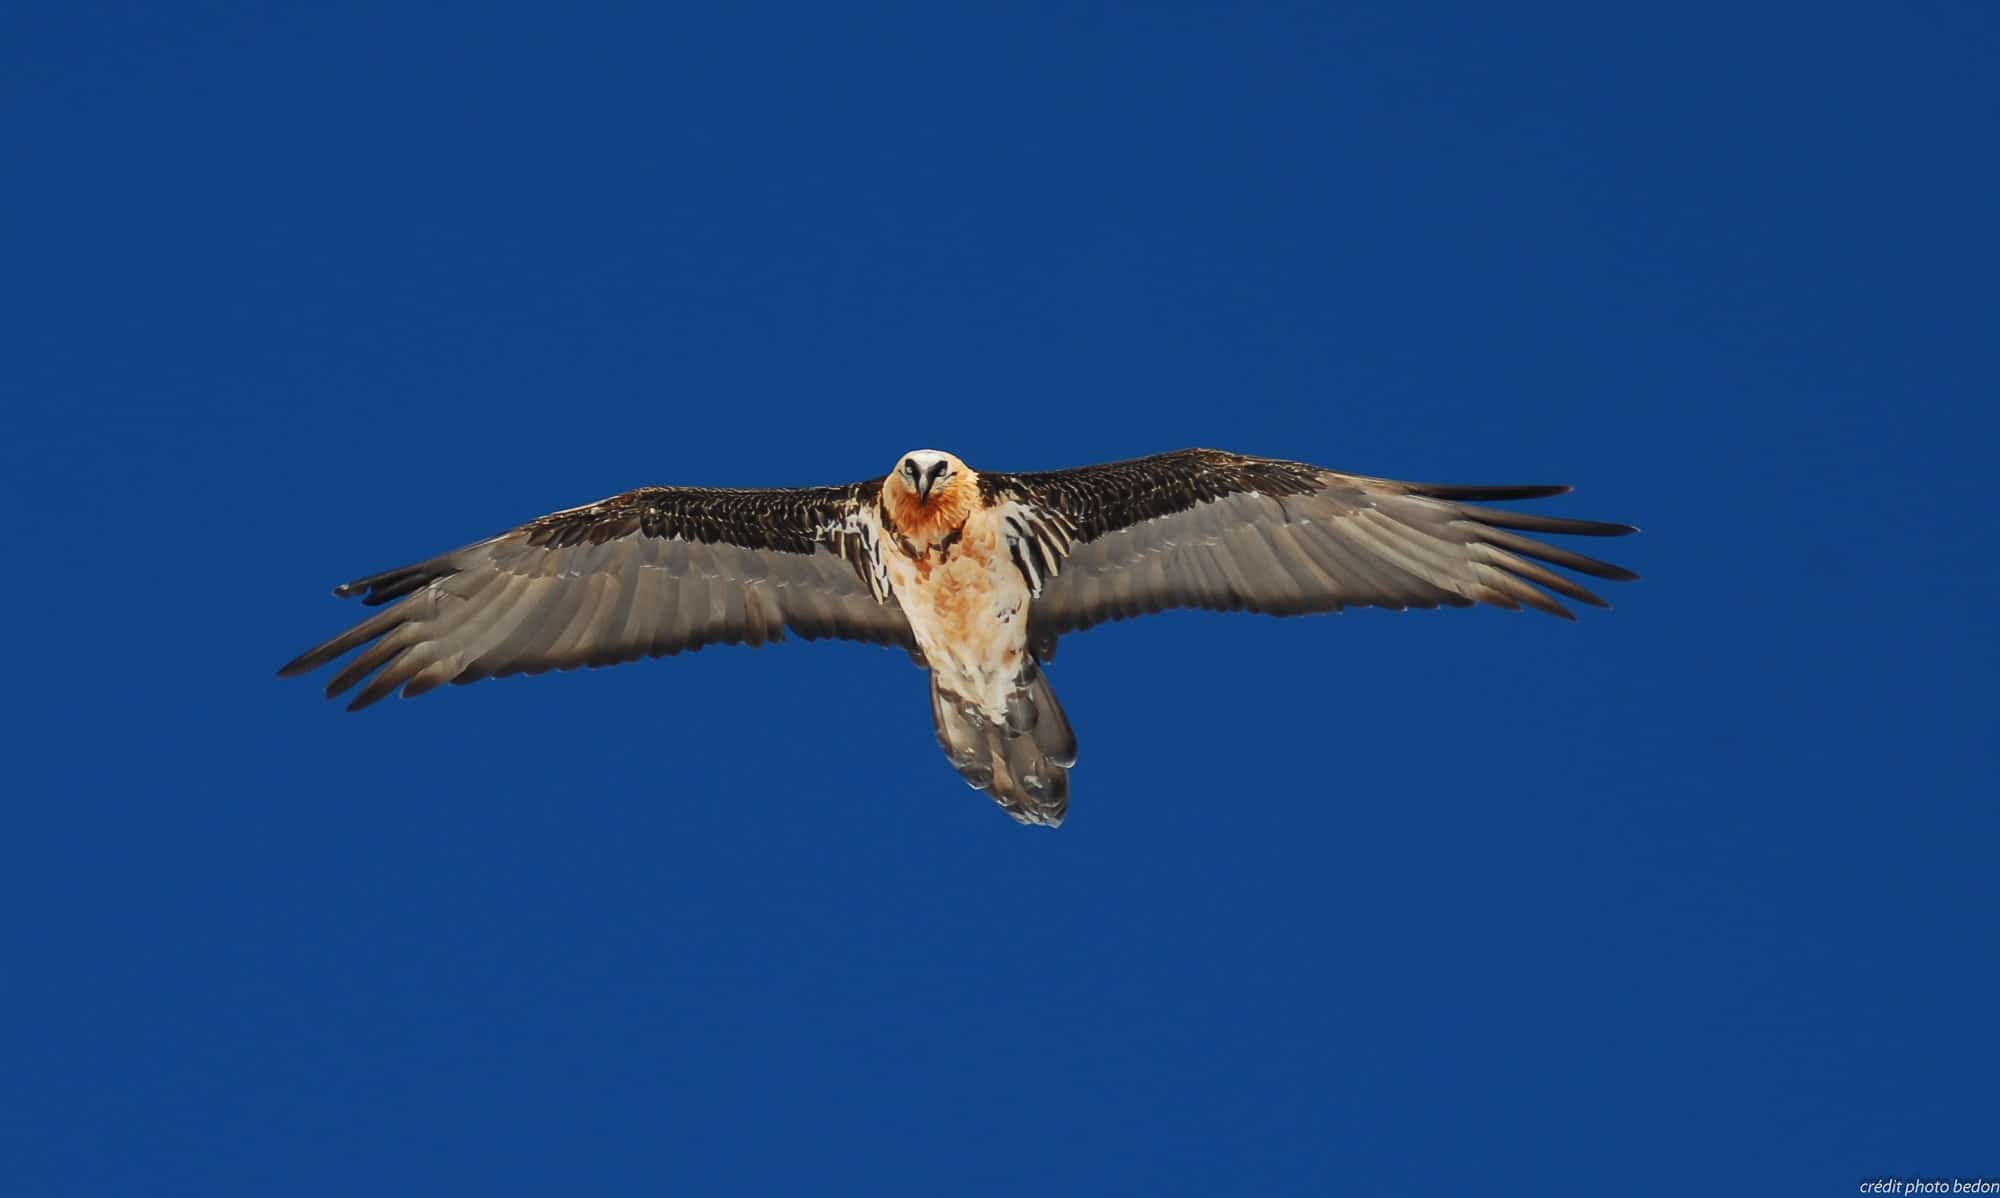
(1023, 760)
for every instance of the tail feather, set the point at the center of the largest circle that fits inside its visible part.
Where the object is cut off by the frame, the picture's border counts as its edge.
(1050, 727)
(1021, 760)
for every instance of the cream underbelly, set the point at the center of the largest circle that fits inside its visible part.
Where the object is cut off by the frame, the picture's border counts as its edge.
(969, 613)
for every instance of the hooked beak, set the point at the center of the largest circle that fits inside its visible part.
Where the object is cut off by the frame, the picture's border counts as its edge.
(924, 484)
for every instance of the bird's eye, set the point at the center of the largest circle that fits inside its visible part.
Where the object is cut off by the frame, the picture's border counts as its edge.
(910, 468)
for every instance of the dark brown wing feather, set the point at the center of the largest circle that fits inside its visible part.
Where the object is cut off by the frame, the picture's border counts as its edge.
(1208, 529)
(649, 572)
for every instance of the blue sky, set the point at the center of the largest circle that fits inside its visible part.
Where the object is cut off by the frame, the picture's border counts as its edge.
(1702, 888)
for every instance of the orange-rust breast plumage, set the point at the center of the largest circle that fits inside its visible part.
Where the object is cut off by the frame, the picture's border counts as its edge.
(925, 523)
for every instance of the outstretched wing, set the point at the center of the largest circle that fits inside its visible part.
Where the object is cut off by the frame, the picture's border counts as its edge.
(650, 572)
(1208, 529)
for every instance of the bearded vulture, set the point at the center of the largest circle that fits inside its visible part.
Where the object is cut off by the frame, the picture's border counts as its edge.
(976, 575)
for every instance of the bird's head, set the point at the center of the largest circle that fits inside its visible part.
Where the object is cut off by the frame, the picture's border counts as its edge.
(927, 475)
(928, 495)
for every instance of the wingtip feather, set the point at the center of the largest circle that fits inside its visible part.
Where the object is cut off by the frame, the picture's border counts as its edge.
(1512, 491)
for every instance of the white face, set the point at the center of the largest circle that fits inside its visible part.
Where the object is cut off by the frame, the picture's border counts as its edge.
(925, 470)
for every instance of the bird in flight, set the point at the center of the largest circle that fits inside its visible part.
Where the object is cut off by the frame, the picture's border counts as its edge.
(975, 574)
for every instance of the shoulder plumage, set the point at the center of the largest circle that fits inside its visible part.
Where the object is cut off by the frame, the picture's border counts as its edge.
(790, 520)
(785, 520)
(1113, 495)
